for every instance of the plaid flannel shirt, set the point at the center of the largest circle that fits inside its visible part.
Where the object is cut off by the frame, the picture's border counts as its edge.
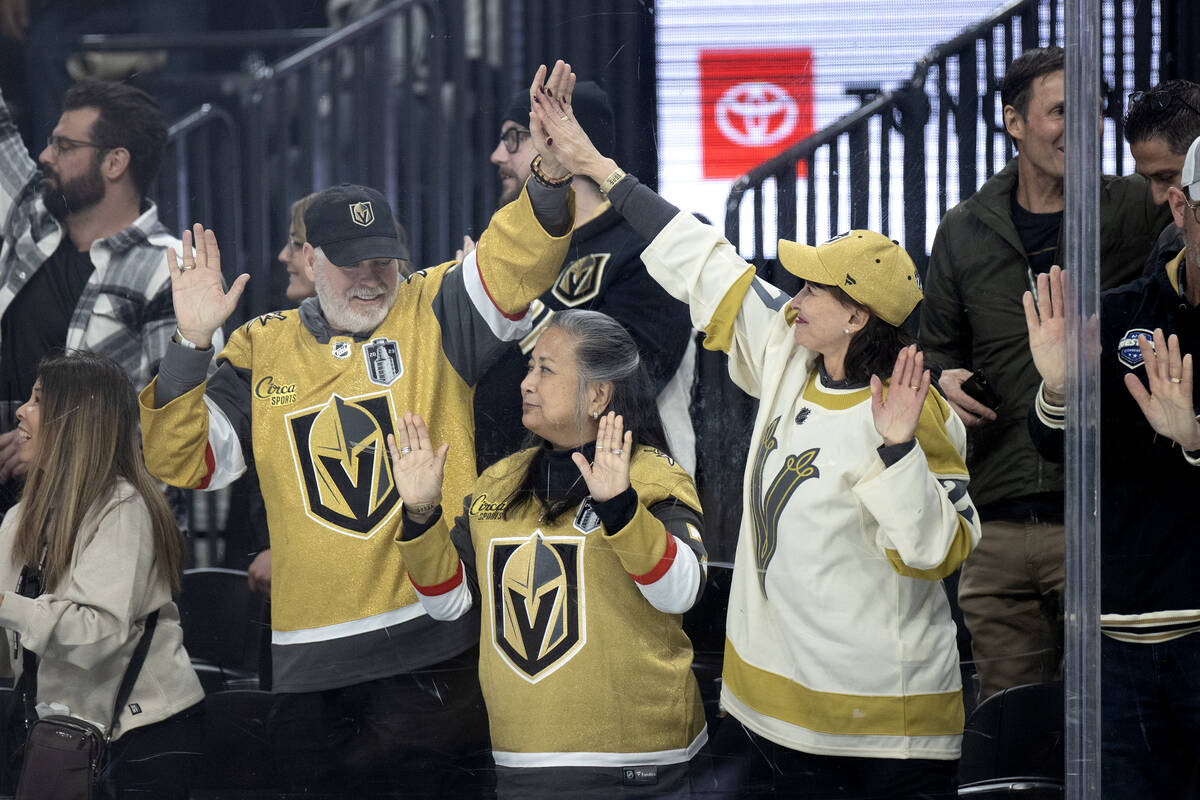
(125, 310)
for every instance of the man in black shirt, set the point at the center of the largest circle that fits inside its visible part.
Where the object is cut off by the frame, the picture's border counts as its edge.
(83, 261)
(603, 271)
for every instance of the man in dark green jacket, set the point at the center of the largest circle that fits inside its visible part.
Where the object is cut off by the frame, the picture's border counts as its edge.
(987, 252)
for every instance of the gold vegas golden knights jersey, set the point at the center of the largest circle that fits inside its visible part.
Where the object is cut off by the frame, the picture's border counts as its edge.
(314, 411)
(578, 664)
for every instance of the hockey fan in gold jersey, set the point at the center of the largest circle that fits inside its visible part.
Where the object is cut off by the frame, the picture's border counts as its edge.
(583, 551)
(372, 693)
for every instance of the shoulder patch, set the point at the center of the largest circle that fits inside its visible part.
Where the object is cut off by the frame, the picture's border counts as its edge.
(263, 319)
(1128, 352)
(579, 282)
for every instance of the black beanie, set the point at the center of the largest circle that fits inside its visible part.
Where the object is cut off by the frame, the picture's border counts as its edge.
(590, 104)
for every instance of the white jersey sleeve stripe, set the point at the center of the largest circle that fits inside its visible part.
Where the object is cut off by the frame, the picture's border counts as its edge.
(228, 464)
(505, 327)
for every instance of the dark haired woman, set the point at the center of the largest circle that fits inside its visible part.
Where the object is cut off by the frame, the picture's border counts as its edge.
(840, 659)
(94, 528)
(582, 551)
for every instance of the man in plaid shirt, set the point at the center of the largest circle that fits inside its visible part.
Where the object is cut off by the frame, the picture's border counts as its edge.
(83, 263)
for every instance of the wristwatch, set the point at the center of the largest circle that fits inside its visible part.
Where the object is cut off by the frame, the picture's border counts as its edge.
(179, 338)
(612, 180)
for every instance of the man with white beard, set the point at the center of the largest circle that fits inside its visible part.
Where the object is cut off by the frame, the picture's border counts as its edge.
(372, 693)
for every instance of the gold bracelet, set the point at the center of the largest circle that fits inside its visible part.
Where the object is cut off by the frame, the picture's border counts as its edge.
(535, 167)
(423, 508)
(611, 181)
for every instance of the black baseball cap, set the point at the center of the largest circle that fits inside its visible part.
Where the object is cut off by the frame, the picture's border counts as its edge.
(352, 223)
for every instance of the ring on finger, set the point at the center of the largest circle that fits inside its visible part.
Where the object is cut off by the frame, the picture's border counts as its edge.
(616, 451)
(1176, 380)
(405, 450)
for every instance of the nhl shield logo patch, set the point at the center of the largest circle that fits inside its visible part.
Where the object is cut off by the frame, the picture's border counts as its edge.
(341, 349)
(362, 213)
(537, 621)
(580, 280)
(1128, 352)
(383, 361)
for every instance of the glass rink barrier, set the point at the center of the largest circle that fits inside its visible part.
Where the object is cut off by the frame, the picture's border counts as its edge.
(805, 605)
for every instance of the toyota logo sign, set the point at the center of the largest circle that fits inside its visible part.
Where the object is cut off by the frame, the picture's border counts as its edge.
(756, 114)
(755, 103)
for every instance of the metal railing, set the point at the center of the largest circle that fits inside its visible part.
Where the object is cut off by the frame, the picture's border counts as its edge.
(872, 167)
(939, 131)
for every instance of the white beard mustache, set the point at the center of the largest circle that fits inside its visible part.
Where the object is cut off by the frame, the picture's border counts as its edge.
(341, 315)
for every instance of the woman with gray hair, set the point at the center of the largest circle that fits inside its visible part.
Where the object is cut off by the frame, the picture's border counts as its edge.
(581, 552)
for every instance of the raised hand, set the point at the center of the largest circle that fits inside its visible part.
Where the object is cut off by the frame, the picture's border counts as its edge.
(416, 467)
(566, 139)
(1047, 324)
(896, 417)
(558, 87)
(1168, 405)
(197, 288)
(608, 475)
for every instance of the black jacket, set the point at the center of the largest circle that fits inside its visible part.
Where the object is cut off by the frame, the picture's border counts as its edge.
(603, 271)
(972, 315)
(1149, 542)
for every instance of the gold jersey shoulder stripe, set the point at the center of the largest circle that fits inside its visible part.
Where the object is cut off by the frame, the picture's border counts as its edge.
(718, 334)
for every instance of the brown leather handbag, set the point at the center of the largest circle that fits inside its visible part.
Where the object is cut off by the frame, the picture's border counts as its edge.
(65, 756)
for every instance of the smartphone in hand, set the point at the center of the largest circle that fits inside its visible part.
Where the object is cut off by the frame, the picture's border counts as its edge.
(978, 388)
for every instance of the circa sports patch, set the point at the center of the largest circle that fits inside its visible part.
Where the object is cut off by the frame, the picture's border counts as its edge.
(1128, 351)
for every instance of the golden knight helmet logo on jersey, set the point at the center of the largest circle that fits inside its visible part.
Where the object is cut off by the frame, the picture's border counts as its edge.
(342, 458)
(537, 619)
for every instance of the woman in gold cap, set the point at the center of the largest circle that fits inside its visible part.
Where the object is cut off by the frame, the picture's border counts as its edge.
(841, 669)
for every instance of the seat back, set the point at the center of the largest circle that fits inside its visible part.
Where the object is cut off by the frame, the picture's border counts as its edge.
(237, 753)
(1015, 737)
(222, 619)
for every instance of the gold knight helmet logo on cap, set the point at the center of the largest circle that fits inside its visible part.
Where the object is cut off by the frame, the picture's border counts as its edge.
(362, 213)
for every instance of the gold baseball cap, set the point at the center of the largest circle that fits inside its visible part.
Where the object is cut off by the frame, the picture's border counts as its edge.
(868, 266)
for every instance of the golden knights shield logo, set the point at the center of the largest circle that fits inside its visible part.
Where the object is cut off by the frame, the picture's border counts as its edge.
(580, 280)
(362, 213)
(341, 457)
(537, 610)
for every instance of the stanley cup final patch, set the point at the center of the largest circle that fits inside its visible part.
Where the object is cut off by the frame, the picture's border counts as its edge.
(1128, 352)
(383, 361)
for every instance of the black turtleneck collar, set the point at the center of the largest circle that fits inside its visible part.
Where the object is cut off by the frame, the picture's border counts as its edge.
(556, 478)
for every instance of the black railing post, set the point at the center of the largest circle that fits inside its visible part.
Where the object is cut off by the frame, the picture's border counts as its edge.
(914, 114)
(860, 175)
(966, 117)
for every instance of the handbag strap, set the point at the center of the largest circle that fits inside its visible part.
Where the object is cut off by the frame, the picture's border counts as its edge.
(27, 684)
(131, 671)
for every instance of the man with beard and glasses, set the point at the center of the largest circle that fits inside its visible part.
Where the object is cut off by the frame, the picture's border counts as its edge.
(83, 262)
(602, 271)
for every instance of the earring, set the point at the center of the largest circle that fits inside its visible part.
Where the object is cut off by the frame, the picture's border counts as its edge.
(595, 415)
(846, 331)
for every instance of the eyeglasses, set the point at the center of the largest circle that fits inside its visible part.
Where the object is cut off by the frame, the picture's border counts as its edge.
(61, 144)
(1194, 206)
(1160, 101)
(512, 138)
